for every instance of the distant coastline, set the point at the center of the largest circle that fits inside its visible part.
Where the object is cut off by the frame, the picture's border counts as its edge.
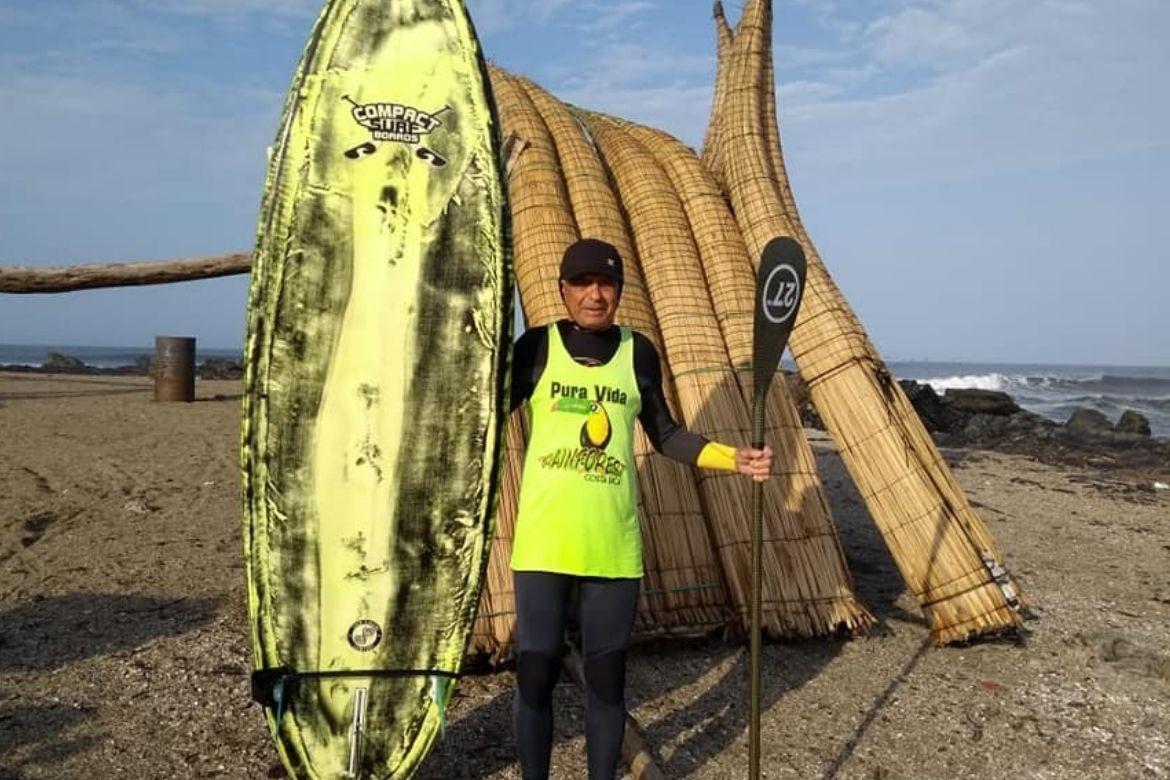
(1053, 391)
(15, 356)
(114, 361)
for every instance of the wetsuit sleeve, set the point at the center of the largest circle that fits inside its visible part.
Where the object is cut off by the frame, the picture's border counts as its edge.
(529, 357)
(667, 436)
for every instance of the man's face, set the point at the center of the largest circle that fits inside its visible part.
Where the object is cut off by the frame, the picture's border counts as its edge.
(591, 299)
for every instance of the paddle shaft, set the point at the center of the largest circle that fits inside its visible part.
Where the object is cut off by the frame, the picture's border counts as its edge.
(758, 420)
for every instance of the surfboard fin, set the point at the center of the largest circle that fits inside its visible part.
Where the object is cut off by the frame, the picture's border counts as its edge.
(357, 731)
(441, 695)
(278, 697)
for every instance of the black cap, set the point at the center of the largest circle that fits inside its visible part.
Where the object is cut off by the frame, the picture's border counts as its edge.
(592, 256)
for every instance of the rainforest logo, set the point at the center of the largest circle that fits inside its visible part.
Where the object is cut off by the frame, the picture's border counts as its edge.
(395, 123)
(590, 458)
(590, 462)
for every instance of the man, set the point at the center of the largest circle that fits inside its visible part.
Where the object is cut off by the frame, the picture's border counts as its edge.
(586, 380)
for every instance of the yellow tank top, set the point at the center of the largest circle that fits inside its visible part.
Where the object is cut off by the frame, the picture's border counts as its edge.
(578, 509)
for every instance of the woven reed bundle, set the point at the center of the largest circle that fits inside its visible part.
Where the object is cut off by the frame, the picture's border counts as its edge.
(730, 278)
(595, 206)
(711, 402)
(542, 220)
(494, 632)
(723, 256)
(937, 540)
(687, 584)
(712, 142)
(682, 591)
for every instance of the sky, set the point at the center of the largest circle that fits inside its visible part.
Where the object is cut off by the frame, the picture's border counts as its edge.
(987, 180)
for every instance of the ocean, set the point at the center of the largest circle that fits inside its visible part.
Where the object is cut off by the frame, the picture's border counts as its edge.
(1055, 390)
(1049, 390)
(98, 357)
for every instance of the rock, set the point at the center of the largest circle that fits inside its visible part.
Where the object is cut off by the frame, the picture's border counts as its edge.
(798, 390)
(991, 686)
(1114, 648)
(142, 366)
(935, 416)
(219, 368)
(65, 364)
(138, 506)
(1085, 420)
(1024, 424)
(942, 439)
(34, 527)
(1119, 650)
(1133, 422)
(984, 427)
(810, 418)
(972, 401)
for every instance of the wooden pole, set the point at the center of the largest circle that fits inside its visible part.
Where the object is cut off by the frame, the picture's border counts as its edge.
(24, 280)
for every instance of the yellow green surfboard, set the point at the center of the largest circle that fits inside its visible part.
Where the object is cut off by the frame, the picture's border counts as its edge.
(379, 334)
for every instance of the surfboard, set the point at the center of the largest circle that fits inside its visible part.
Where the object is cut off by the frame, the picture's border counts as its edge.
(379, 335)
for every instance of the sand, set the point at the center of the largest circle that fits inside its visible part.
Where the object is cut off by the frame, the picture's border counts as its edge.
(124, 648)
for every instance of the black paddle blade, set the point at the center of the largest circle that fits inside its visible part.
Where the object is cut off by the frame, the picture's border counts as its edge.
(779, 289)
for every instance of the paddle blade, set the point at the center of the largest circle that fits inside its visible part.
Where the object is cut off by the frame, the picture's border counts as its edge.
(779, 289)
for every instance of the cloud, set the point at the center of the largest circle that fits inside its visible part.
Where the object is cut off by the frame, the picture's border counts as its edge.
(491, 16)
(588, 16)
(152, 131)
(615, 16)
(655, 86)
(102, 90)
(957, 88)
(920, 35)
(227, 8)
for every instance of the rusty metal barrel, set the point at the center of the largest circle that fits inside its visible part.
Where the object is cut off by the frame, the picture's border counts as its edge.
(174, 368)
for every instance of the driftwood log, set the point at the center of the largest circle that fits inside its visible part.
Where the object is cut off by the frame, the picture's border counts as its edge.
(24, 280)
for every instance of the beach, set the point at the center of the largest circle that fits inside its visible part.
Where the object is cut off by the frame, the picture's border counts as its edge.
(124, 646)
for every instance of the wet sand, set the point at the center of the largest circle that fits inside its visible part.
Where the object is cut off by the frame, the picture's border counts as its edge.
(124, 648)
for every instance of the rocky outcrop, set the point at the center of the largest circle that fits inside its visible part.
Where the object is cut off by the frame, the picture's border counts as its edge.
(930, 407)
(801, 398)
(973, 401)
(219, 368)
(1084, 420)
(1087, 438)
(1132, 422)
(58, 363)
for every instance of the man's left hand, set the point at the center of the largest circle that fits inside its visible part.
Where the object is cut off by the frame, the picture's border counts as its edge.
(757, 464)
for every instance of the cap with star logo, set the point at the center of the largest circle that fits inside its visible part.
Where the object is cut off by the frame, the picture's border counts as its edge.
(592, 256)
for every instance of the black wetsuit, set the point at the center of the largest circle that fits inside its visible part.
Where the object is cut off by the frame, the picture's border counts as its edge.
(607, 606)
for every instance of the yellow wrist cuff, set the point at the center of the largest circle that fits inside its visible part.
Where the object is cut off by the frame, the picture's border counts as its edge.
(717, 456)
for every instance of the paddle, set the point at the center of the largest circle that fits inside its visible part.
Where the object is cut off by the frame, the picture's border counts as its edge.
(779, 287)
